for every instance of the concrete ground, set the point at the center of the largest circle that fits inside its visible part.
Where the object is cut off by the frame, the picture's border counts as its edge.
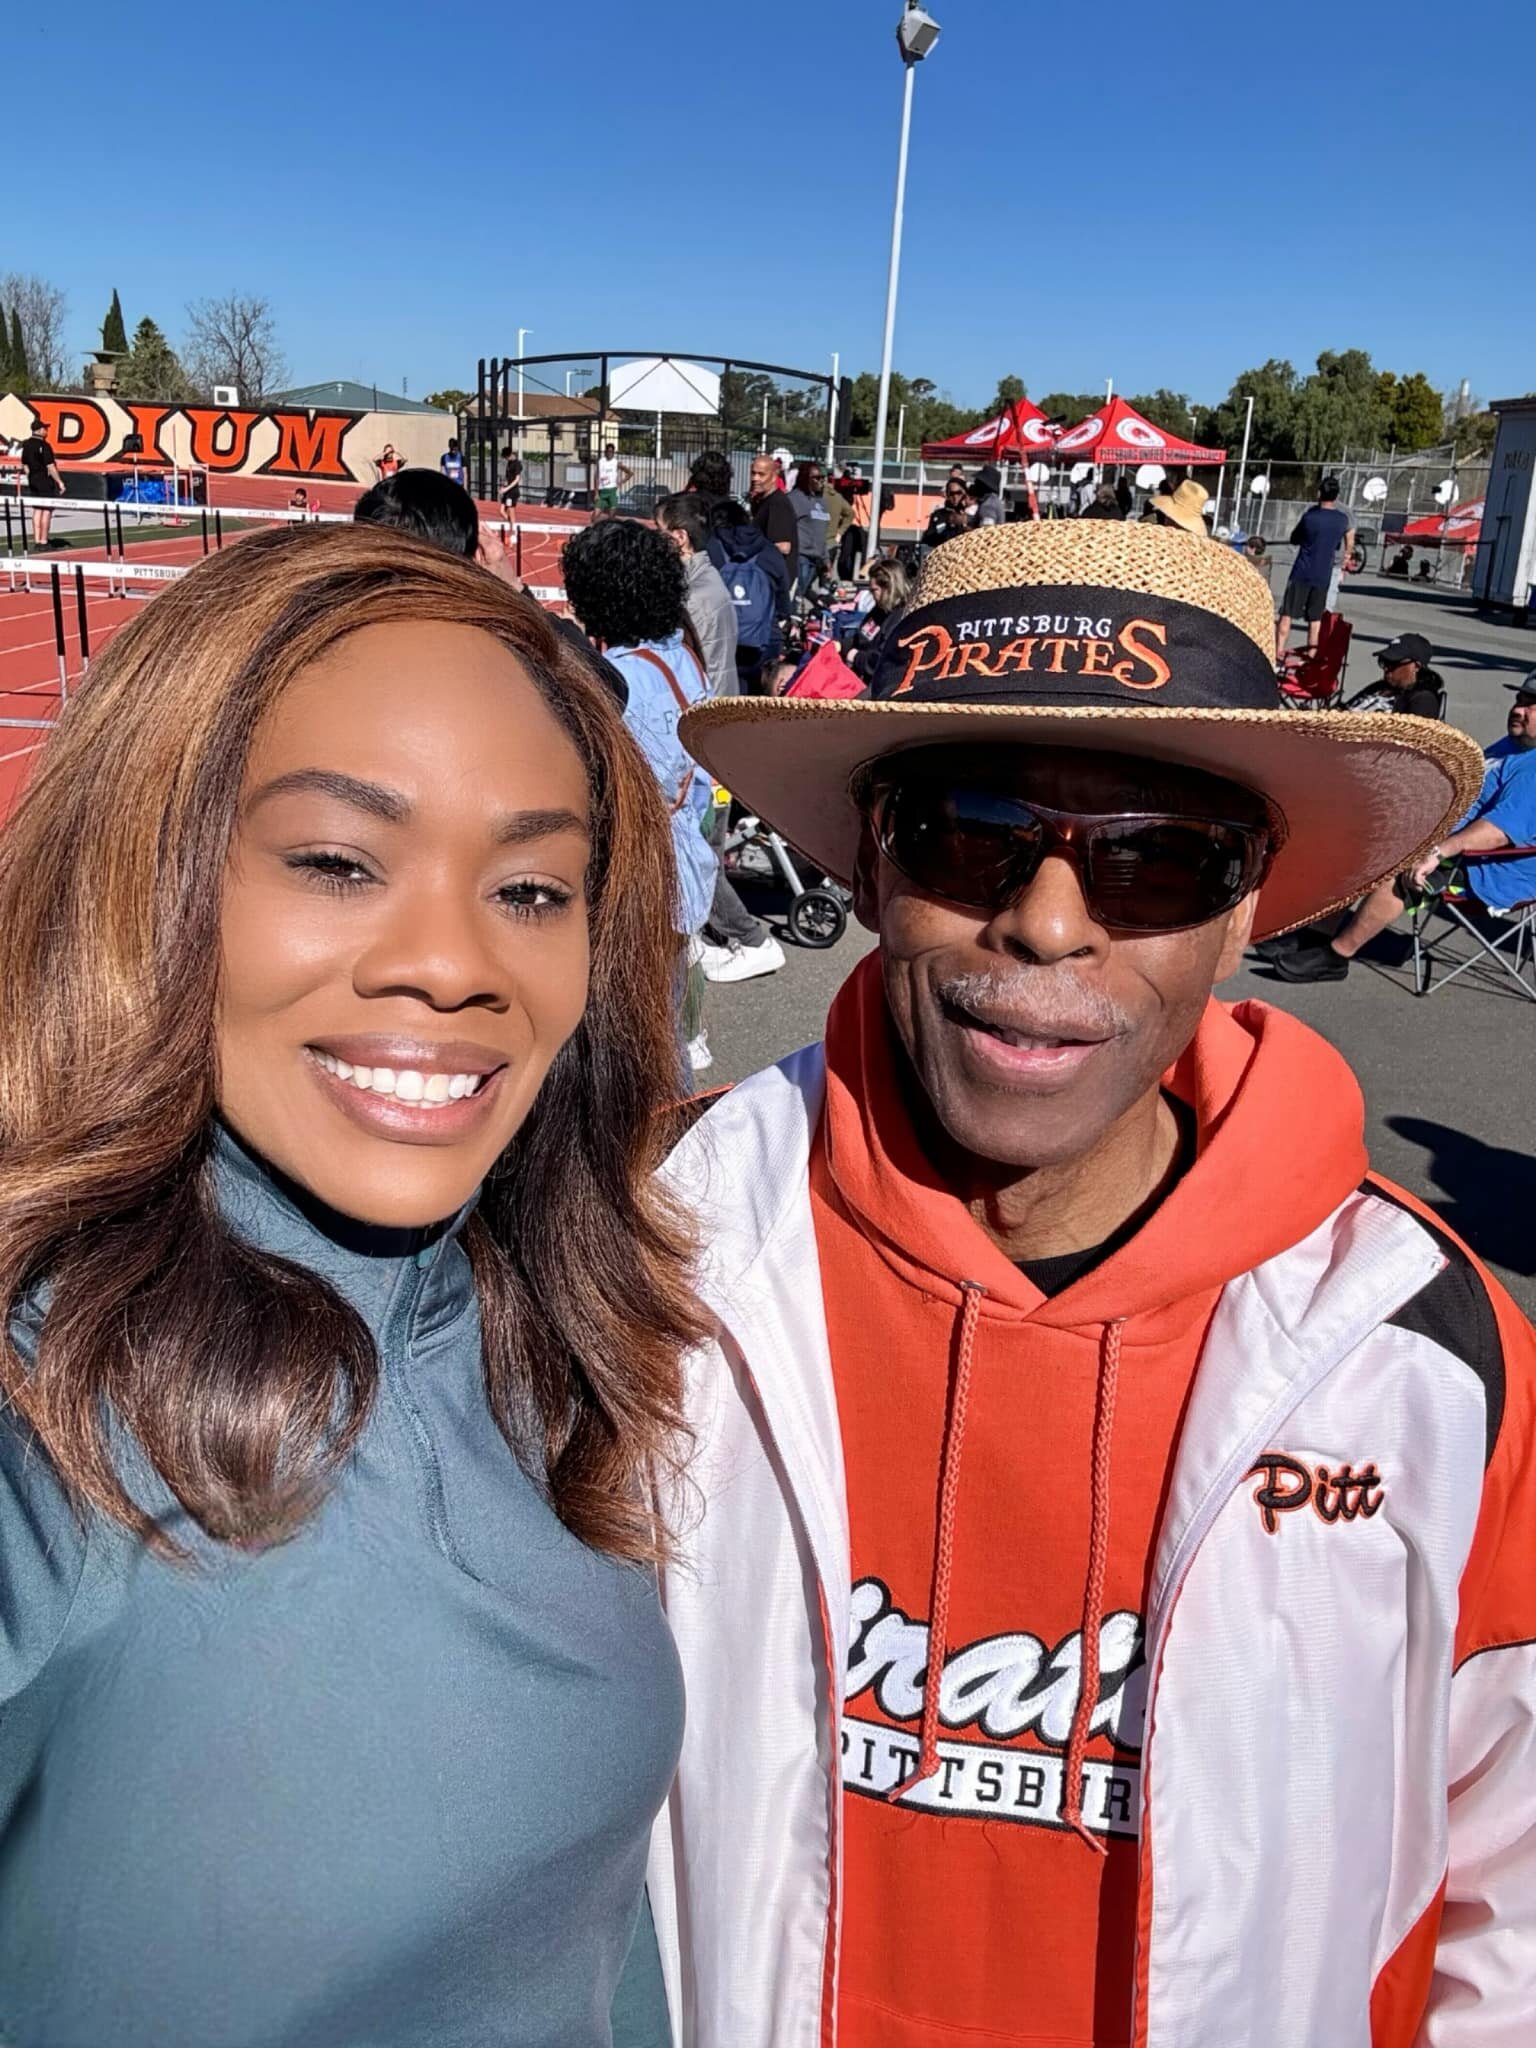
(1451, 1109)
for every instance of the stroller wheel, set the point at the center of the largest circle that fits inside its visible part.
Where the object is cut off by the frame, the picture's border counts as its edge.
(818, 918)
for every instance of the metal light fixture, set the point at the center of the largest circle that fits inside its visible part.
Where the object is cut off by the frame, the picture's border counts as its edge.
(916, 33)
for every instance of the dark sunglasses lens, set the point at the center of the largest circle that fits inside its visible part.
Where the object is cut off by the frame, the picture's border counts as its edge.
(964, 845)
(1151, 875)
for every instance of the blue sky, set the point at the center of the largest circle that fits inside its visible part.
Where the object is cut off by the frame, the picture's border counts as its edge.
(1164, 195)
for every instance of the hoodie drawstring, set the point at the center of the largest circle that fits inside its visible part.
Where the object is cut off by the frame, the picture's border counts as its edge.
(927, 1765)
(944, 1539)
(1093, 1590)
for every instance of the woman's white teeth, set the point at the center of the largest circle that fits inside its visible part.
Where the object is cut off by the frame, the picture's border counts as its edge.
(406, 1084)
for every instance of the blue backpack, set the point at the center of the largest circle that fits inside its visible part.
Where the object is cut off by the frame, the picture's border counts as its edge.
(752, 593)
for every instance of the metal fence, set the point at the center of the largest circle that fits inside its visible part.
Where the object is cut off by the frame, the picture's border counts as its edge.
(556, 412)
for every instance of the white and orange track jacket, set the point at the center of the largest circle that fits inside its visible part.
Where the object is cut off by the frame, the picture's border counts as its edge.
(1337, 1780)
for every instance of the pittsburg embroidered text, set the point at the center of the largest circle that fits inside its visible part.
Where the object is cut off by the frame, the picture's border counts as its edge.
(1043, 643)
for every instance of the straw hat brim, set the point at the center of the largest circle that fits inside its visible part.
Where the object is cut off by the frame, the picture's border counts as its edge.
(1363, 794)
(1190, 521)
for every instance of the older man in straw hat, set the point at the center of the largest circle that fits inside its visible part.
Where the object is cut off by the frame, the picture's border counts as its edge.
(1110, 1614)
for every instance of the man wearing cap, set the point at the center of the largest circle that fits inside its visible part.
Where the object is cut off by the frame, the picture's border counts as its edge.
(1407, 684)
(1104, 1587)
(1318, 535)
(1503, 816)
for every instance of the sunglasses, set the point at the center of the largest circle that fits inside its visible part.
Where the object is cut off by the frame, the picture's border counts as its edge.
(1139, 871)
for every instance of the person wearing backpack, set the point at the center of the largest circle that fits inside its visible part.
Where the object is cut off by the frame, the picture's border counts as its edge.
(756, 576)
(711, 609)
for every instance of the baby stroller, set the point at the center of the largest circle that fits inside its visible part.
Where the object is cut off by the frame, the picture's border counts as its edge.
(752, 851)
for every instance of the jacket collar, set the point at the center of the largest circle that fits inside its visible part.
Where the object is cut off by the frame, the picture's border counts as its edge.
(405, 1284)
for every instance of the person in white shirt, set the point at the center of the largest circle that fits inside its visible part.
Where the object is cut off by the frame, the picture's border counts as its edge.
(612, 475)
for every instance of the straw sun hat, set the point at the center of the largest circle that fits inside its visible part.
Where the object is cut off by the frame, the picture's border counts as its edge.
(1185, 506)
(1126, 639)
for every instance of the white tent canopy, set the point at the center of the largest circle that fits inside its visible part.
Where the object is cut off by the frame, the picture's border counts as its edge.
(663, 384)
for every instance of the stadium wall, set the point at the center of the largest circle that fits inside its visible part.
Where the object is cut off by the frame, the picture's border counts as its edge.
(316, 444)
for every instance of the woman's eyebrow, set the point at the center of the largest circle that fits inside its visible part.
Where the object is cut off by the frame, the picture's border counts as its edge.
(522, 826)
(516, 828)
(371, 797)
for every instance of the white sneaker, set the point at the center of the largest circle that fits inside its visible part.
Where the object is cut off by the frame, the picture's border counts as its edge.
(737, 962)
(699, 1054)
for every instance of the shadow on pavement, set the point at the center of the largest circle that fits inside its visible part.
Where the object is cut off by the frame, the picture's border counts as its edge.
(1488, 1191)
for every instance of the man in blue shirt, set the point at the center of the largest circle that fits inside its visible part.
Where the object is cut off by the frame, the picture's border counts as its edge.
(1317, 535)
(1504, 815)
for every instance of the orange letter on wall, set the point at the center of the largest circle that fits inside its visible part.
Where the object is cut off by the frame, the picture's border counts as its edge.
(77, 427)
(310, 445)
(205, 422)
(146, 423)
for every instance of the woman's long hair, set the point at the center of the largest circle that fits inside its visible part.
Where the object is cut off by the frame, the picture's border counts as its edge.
(245, 1380)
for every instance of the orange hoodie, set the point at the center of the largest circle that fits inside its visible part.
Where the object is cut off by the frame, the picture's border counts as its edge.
(1007, 1456)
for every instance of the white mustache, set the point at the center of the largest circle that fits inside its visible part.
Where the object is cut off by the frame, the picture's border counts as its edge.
(1048, 1000)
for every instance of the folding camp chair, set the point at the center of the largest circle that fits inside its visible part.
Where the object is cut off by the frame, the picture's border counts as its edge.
(1502, 939)
(1312, 678)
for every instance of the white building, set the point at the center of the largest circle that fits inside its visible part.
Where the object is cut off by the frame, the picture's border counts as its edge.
(1505, 570)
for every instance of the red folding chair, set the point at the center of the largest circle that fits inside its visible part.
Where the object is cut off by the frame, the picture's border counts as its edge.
(1312, 678)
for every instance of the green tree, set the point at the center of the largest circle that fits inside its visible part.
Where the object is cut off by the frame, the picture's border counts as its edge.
(449, 400)
(1475, 435)
(1273, 387)
(1339, 406)
(153, 368)
(1009, 391)
(21, 370)
(7, 381)
(1070, 406)
(114, 336)
(1166, 409)
(1415, 413)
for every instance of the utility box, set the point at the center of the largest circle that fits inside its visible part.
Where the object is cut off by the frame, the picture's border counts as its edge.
(1505, 570)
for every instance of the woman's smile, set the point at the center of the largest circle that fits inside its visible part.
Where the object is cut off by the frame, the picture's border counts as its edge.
(405, 1092)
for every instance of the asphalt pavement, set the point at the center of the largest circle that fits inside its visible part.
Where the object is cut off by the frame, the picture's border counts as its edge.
(1450, 1107)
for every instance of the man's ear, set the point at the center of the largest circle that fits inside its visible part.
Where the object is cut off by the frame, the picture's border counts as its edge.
(1236, 937)
(866, 881)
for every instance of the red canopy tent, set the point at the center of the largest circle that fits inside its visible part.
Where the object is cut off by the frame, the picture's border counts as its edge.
(1118, 433)
(1022, 434)
(1460, 527)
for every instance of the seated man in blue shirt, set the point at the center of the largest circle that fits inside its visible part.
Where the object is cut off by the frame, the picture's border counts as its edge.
(1504, 815)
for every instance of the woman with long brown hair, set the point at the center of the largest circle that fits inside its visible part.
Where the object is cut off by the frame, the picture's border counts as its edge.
(345, 1318)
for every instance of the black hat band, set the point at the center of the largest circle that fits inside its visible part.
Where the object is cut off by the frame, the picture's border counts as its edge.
(1061, 644)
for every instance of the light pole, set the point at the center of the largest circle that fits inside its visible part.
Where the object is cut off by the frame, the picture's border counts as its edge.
(522, 335)
(832, 420)
(916, 34)
(1242, 467)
